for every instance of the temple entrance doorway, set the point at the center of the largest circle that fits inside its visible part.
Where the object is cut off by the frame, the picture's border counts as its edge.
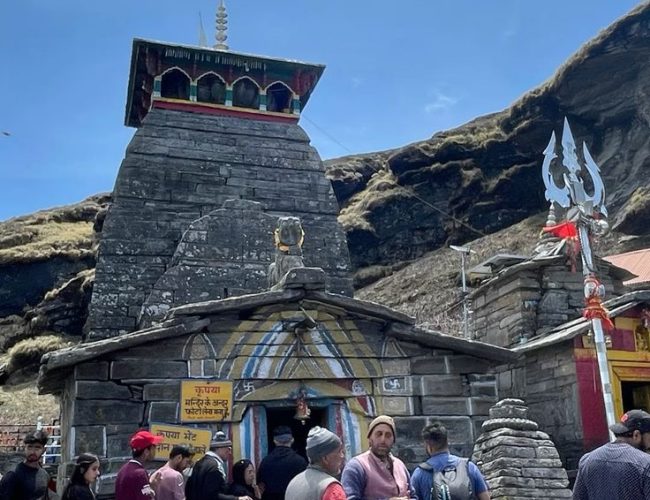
(285, 416)
(636, 395)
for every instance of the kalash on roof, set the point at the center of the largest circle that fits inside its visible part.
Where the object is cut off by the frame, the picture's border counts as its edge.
(216, 80)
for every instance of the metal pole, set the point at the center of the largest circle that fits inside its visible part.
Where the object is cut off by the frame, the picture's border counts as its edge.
(588, 213)
(589, 273)
(465, 311)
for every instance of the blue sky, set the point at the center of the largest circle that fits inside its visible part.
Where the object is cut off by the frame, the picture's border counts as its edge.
(397, 72)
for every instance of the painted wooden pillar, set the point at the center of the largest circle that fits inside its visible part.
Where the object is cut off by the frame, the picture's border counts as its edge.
(295, 104)
(228, 95)
(157, 85)
(193, 91)
(262, 100)
(253, 436)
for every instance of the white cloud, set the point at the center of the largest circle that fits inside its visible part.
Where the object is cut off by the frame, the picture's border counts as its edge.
(439, 102)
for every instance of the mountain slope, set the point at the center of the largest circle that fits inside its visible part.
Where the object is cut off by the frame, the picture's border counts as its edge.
(486, 175)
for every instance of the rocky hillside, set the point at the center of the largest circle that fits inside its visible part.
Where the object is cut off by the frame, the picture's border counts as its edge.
(485, 175)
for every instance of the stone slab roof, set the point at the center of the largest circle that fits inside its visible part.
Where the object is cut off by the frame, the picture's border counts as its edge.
(192, 318)
(571, 329)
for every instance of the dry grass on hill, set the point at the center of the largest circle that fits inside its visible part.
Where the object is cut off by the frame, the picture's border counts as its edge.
(429, 288)
(23, 405)
(62, 231)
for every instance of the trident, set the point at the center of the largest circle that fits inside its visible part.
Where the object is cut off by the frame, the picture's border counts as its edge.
(588, 213)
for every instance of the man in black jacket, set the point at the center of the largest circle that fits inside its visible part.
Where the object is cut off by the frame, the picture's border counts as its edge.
(280, 466)
(29, 481)
(208, 479)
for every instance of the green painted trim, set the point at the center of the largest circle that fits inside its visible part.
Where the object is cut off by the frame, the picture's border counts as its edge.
(193, 90)
(157, 84)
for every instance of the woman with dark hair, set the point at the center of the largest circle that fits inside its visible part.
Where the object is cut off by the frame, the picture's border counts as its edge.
(84, 474)
(243, 480)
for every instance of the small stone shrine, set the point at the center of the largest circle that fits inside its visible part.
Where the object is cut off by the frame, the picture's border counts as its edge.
(519, 461)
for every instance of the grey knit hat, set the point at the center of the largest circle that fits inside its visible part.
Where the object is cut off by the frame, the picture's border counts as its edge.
(320, 442)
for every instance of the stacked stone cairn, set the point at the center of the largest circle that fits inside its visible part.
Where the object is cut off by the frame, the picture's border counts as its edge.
(518, 460)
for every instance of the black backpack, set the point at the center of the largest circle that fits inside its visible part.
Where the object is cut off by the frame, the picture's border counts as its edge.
(451, 483)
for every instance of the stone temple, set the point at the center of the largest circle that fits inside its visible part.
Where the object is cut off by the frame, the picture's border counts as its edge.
(212, 125)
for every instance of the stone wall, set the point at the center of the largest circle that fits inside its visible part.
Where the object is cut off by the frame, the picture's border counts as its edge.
(180, 166)
(521, 304)
(452, 388)
(547, 380)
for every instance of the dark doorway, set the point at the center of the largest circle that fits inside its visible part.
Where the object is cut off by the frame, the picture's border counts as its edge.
(284, 416)
(636, 395)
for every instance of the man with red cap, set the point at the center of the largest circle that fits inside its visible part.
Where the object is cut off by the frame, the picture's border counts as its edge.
(377, 474)
(132, 480)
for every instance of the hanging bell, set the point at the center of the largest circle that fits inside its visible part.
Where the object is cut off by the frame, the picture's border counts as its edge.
(302, 410)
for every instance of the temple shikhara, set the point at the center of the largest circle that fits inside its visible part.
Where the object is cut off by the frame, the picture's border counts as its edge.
(223, 299)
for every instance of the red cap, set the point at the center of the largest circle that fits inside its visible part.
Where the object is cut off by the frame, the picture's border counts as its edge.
(143, 439)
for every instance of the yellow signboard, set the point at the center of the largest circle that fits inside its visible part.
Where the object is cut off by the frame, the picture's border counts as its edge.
(197, 440)
(206, 400)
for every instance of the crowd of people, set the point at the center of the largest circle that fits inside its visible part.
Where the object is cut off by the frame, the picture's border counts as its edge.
(620, 469)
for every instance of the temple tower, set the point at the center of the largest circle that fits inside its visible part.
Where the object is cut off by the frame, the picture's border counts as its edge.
(212, 125)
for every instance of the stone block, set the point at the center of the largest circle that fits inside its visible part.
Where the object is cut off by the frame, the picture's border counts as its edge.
(442, 385)
(402, 386)
(163, 411)
(409, 428)
(468, 364)
(117, 445)
(481, 405)
(397, 405)
(168, 391)
(147, 368)
(89, 439)
(93, 370)
(395, 367)
(444, 406)
(483, 389)
(89, 389)
(92, 411)
(429, 365)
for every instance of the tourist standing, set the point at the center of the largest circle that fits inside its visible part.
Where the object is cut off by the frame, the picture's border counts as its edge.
(280, 466)
(377, 474)
(28, 481)
(208, 479)
(318, 481)
(243, 480)
(168, 482)
(620, 469)
(459, 478)
(85, 473)
(132, 481)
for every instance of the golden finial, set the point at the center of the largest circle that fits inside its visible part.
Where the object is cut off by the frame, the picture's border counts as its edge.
(222, 27)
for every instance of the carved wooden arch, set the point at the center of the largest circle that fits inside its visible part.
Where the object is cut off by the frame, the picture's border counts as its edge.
(242, 99)
(277, 105)
(180, 91)
(209, 95)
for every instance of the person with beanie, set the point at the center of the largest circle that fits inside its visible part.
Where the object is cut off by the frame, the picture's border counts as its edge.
(377, 474)
(208, 479)
(318, 481)
(280, 466)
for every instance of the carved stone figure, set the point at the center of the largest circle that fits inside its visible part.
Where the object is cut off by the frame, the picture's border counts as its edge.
(289, 237)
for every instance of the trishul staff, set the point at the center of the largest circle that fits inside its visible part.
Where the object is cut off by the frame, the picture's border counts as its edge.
(585, 215)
